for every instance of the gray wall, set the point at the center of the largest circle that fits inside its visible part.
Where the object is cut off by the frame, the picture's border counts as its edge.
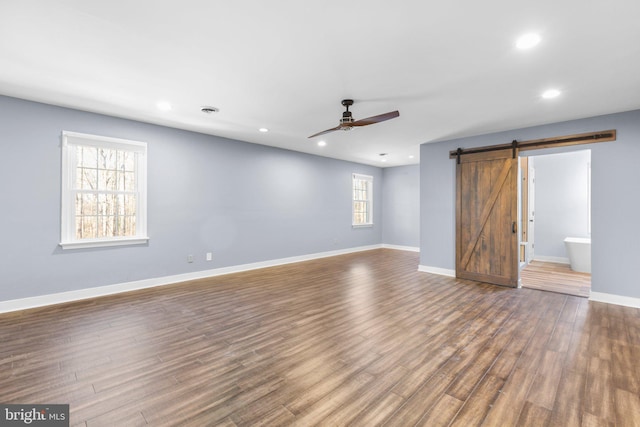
(401, 206)
(614, 203)
(561, 201)
(243, 202)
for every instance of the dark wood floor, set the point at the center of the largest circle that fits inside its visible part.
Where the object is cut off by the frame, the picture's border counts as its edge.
(360, 339)
(555, 277)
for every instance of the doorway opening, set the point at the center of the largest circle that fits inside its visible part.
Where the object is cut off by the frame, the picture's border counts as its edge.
(555, 222)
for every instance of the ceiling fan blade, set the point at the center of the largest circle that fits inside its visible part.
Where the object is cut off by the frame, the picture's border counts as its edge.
(325, 131)
(376, 119)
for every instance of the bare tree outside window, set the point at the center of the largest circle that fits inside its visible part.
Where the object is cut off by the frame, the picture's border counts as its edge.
(105, 193)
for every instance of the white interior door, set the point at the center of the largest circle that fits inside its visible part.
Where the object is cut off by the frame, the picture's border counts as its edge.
(532, 212)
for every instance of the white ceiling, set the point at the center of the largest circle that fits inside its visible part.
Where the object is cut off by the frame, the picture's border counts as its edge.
(450, 67)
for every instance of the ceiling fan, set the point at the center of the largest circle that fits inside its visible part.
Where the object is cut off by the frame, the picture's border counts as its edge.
(347, 122)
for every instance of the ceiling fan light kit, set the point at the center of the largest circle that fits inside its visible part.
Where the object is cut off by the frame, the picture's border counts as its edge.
(347, 122)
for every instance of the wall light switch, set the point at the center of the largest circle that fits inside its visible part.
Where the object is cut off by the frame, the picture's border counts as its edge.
(209, 256)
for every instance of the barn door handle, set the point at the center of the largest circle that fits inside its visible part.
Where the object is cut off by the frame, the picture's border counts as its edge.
(514, 227)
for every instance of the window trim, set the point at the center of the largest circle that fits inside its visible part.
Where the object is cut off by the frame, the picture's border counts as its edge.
(67, 204)
(369, 180)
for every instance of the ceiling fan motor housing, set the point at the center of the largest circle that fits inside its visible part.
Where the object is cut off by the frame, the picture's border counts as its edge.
(347, 118)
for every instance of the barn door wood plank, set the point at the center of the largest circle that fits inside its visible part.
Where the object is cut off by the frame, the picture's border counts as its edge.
(486, 212)
(486, 209)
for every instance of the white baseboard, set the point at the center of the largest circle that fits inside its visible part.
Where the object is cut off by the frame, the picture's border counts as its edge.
(401, 248)
(594, 296)
(437, 270)
(615, 299)
(556, 259)
(81, 294)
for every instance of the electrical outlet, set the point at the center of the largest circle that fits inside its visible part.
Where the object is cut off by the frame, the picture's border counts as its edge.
(189, 258)
(209, 256)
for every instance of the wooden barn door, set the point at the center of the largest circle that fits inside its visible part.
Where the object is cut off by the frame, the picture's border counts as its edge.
(487, 217)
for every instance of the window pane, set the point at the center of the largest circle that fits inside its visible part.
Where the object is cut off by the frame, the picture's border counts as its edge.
(106, 225)
(126, 181)
(127, 162)
(129, 181)
(130, 202)
(86, 227)
(120, 180)
(107, 180)
(119, 231)
(86, 179)
(120, 205)
(86, 204)
(107, 159)
(107, 204)
(129, 226)
(124, 226)
(121, 160)
(87, 156)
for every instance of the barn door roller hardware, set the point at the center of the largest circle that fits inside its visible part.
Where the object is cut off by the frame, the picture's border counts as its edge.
(536, 144)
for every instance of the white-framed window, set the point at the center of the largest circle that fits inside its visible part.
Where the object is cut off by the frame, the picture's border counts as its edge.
(362, 200)
(104, 191)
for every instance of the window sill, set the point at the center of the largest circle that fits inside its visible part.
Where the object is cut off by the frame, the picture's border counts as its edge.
(99, 243)
(362, 225)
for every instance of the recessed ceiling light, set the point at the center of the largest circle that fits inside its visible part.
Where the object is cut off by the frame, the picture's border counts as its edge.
(383, 160)
(263, 130)
(527, 41)
(321, 143)
(551, 93)
(163, 105)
